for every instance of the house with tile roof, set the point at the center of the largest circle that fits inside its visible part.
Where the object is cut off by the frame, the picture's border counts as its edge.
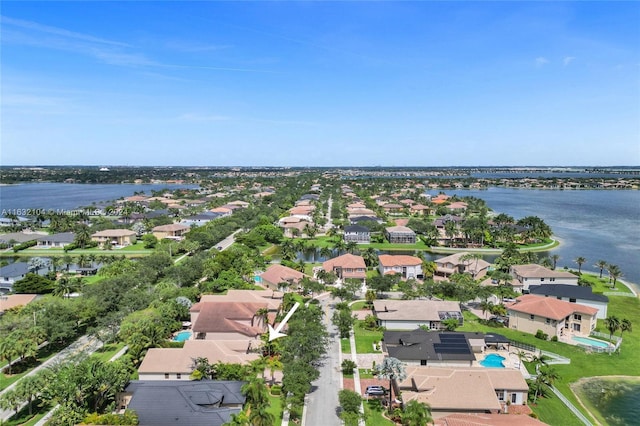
(14, 300)
(467, 390)
(172, 231)
(530, 313)
(277, 274)
(402, 265)
(582, 295)
(534, 274)
(227, 320)
(178, 363)
(115, 237)
(411, 314)
(458, 264)
(347, 266)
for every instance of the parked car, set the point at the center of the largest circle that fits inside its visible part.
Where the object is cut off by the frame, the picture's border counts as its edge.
(375, 390)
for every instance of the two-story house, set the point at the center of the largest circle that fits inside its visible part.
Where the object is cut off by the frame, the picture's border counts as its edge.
(402, 265)
(533, 274)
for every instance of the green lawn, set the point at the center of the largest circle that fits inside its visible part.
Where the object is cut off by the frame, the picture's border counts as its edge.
(275, 407)
(358, 306)
(553, 411)
(345, 346)
(24, 419)
(582, 364)
(365, 339)
(106, 352)
(373, 414)
(43, 354)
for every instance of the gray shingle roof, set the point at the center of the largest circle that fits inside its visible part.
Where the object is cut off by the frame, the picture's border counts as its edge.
(183, 402)
(566, 290)
(426, 345)
(14, 270)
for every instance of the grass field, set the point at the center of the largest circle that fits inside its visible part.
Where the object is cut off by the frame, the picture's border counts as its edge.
(373, 414)
(365, 339)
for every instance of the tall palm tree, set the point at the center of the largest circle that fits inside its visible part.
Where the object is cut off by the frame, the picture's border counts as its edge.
(546, 376)
(625, 325)
(614, 274)
(612, 323)
(392, 369)
(554, 259)
(326, 252)
(602, 265)
(580, 260)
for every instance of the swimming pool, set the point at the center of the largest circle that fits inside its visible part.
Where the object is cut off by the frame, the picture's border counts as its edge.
(182, 336)
(589, 341)
(493, 361)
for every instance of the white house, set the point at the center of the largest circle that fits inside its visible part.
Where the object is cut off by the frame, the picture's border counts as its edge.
(533, 274)
(402, 265)
(573, 294)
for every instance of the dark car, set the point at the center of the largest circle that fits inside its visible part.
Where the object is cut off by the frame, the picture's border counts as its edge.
(375, 390)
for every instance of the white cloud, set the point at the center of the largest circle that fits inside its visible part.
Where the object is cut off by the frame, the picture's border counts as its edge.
(567, 60)
(541, 61)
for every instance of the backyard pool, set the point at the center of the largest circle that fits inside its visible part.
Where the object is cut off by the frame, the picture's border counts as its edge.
(493, 361)
(589, 341)
(182, 336)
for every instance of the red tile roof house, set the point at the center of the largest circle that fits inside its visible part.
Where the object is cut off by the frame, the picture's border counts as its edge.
(411, 314)
(227, 320)
(347, 266)
(403, 265)
(277, 274)
(530, 313)
(533, 274)
(172, 231)
(455, 264)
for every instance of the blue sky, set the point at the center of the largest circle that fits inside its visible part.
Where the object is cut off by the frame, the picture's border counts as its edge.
(320, 84)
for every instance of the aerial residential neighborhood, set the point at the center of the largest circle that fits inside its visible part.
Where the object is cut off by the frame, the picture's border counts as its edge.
(200, 291)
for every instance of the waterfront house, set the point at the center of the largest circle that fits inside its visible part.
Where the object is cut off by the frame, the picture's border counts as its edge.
(401, 265)
(411, 314)
(530, 313)
(347, 266)
(59, 240)
(172, 231)
(467, 390)
(182, 402)
(359, 234)
(400, 235)
(533, 274)
(11, 273)
(458, 264)
(14, 238)
(574, 294)
(115, 237)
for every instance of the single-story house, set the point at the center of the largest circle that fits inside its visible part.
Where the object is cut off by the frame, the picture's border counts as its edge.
(277, 274)
(400, 235)
(486, 419)
(11, 273)
(359, 234)
(200, 219)
(172, 231)
(530, 313)
(467, 390)
(182, 403)
(59, 240)
(115, 237)
(574, 294)
(421, 347)
(402, 265)
(19, 237)
(533, 274)
(178, 363)
(456, 263)
(347, 266)
(411, 314)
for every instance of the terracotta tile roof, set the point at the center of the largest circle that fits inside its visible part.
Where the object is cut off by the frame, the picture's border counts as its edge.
(483, 419)
(227, 317)
(172, 227)
(270, 297)
(413, 310)
(538, 271)
(14, 300)
(180, 360)
(114, 233)
(278, 273)
(345, 261)
(548, 307)
(399, 260)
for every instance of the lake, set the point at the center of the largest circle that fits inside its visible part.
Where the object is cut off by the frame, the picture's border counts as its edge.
(67, 196)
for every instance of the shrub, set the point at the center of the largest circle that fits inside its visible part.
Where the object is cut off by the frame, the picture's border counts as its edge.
(541, 335)
(348, 366)
(23, 246)
(554, 339)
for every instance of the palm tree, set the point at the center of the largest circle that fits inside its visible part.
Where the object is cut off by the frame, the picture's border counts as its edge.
(83, 236)
(351, 246)
(546, 376)
(326, 252)
(614, 274)
(554, 259)
(625, 325)
(416, 414)
(612, 323)
(370, 257)
(261, 417)
(262, 315)
(339, 245)
(392, 369)
(602, 265)
(67, 260)
(580, 260)
(485, 305)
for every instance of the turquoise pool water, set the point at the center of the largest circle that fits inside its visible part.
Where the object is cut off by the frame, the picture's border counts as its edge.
(493, 361)
(182, 336)
(590, 342)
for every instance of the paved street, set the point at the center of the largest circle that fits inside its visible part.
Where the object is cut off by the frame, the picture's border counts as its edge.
(322, 402)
